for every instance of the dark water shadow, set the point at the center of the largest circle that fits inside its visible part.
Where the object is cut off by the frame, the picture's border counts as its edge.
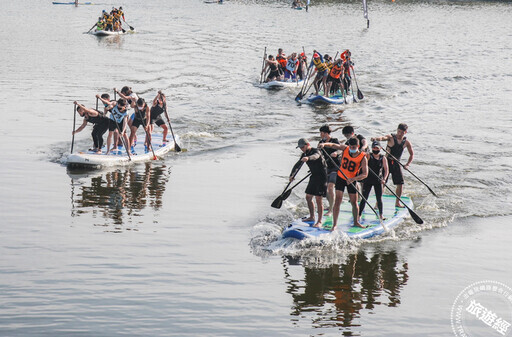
(338, 295)
(117, 199)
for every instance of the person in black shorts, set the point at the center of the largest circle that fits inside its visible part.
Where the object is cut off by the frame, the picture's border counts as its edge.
(332, 168)
(377, 175)
(141, 116)
(274, 73)
(156, 115)
(317, 186)
(100, 125)
(396, 145)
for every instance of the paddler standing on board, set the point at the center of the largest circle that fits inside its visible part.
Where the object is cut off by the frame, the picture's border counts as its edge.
(395, 147)
(274, 73)
(321, 72)
(354, 167)
(118, 123)
(332, 169)
(377, 176)
(317, 186)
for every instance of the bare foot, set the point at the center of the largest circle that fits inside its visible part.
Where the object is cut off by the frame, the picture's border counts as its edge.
(318, 225)
(308, 219)
(399, 205)
(333, 228)
(328, 213)
(357, 224)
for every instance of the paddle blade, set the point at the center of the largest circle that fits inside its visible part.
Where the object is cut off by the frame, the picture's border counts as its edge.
(286, 194)
(177, 148)
(415, 217)
(359, 94)
(299, 96)
(277, 203)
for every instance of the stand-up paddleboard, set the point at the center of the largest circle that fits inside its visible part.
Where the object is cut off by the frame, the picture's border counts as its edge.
(336, 99)
(393, 216)
(89, 159)
(281, 84)
(71, 3)
(110, 33)
(298, 8)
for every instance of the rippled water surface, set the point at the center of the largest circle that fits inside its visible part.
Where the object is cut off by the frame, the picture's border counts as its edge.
(189, 245)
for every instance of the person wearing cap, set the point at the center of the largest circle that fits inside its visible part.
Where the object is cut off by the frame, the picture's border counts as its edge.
(354, 167)
(395, 146)
(274, 73)
(321, 72)
(377, 174)
(334, 77)
(317, 185)
(332, 168)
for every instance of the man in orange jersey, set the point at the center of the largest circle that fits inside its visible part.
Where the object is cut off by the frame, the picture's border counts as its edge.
(354, 167)
(396, 145)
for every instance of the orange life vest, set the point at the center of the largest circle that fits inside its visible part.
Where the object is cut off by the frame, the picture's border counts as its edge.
(350, 165)
(336, 71)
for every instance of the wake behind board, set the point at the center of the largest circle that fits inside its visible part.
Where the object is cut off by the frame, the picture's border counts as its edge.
(301, 230)
(89, 159)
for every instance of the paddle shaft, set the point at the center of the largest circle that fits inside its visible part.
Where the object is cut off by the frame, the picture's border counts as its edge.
(421, 181)
(92, 27)
(359, 93)
(74, 124)
(177, 148)
(148, 139)
(291, 188)
(355, 187)
(293, 177)
(263, 65)
(413, 214)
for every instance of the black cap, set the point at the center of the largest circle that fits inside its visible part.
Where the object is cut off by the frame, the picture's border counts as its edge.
(376, 143)
(302, 142)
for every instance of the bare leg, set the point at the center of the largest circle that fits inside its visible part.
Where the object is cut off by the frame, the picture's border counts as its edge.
(355, 209)
(399, 189)
(330, 197)
(165, 132)
(109, 141)
(311, 207)
(336, 209)
(320, 210)
(133, 131)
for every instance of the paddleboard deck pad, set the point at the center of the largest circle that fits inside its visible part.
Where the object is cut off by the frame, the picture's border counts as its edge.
(393, 216)
(90, 159)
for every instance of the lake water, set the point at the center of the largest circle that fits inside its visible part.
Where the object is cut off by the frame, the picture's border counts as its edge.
(189, 245)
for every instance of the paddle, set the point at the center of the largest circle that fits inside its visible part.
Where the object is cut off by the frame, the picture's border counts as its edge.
(359, 93)
(148, 139)
(263, 65)
(91, 28)
(413, 214)
(97, 103)
(300, 95)
(278, 201)
(177, 148)
(131, 28)
(421, 181)
(353, 185)
(74, 124)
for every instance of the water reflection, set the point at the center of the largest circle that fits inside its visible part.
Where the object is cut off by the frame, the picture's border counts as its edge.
(338, 295)
(118, 197)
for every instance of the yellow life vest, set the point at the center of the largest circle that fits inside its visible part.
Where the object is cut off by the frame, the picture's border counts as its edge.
(320, 66)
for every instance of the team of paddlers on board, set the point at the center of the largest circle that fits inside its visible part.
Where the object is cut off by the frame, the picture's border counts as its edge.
(338, 165)
(331, 75)
(111, 22)
(118, 122)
